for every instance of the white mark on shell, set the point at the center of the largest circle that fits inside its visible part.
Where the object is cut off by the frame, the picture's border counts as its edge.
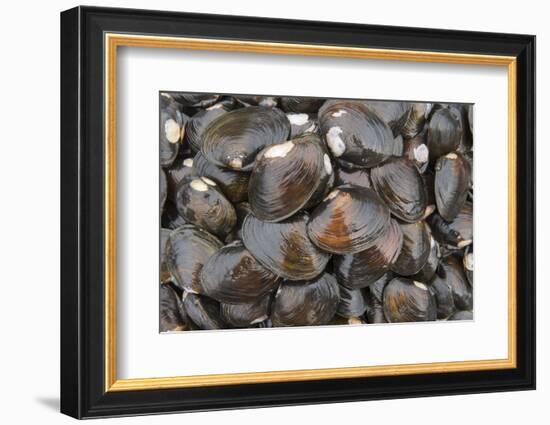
(279, 151)
(297, 119)
(335, 142)
(331, 195)
(420, 285)
(236, 163)
(421, 153)
(268, 101)
(311, 128)
(259, 319)
(469, 261)
(451, 155)
(199, 185)
(328, 165)
(172, 131)
(208, 181)
(338, 113)
(464, 243)
(188, 162)
(429, 210)
(215, 106)
(432, 242)
(166, 95)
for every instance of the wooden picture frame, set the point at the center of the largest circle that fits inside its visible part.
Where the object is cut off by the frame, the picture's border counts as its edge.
(90, 39)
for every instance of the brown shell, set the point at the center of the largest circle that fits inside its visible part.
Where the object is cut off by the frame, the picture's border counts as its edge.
(233, 276)
(306, 303)
(203, 311)
(452, 181)
(408, 301)
(444, 133)
(414, 250)
(234, 139)
(284, 247)
(164, 272)
(286, 176)
(355, 134)
(187, 250)
(350, 219)
(399, 183)
(248, 314)
(457, 233)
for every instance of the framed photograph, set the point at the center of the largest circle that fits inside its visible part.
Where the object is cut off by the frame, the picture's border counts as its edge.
(261, 212)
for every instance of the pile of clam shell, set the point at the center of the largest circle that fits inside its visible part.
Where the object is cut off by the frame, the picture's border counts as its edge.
(289, 211)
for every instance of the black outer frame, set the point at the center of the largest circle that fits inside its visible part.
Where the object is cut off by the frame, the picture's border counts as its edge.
(82, 219)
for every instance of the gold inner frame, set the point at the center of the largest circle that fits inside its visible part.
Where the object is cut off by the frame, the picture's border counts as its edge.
(113, 41)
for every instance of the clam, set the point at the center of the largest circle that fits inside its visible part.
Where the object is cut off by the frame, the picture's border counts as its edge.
(417, 151)
(352, 302)
(301, 123)
(428, 270)
(457, 233)
(357, 176)
(203, 311)
(242, 209)
(395, 114)
(233, 184)
(163, 189)
(195, 100)
(284, 247)
(164, 272)
(461, 113)
(172, 316)
(444, 133)
(355, 134)
(399, 183)
(339, 320)
(200, 202)
(468, 262)
(414, 250)
(172, 129)
(452, 181)
(406, 300)
(462, 315)
(304, 303)
(452, 274)
(286, 176)
(248, 314)
(181, 170)
(233, 139)
(416, 119)
(197, 124)
(301, 104)
(374, 299)
(364, 268)
(350, 219)
(233, 276)
(266, 101)
(171, 218)
(443, 296)
(187, 250)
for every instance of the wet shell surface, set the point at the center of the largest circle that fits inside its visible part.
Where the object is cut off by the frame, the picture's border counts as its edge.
(247, 314)
(352, 302)
(200, 202)
(172, 316)
(350, 219)
(406, 300)
(301, 104)
(306, 303)
(457, 233)
(415, 249)
(452, 181)
(234, 139)
(171, 131)
(233, 276)
(284, 247)
(417, 151)
(187, 250)
(197, 124)
(400, 185)
(358, 177)
(163, 189)
(395, 114)
(374, 299)
(355, 134)
(444, 133)
(203, 311)
(286, 176)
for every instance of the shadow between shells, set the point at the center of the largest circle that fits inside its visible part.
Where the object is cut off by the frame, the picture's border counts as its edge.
(292, 211)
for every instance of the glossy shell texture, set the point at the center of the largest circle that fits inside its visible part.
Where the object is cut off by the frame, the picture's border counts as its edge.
(408, 301)
(414, 250)
(248, 314)
(452, 181)
(203, 311)
(234, 139)
(444, 133)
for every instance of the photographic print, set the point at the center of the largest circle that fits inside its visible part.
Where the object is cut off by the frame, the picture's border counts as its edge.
(288, 211)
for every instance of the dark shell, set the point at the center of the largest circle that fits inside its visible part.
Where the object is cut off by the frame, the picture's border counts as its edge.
(302, 124)
(443, 297)
(171, 131)
(399, 183)
(305, 302)
(394, 114)
(203, 311)
(358, 177)
(339, 320)
(233, 276)
(417, 151)
(355, 134)
(352, 302)
(171, 218)
(457, 233)
(196, 100)
(414, 250)
(374, 299)
(233, 139)
(406, 300)
(172, 316)
(454, 275)
(301, 104)
(187, 250)
(429, 180)
(363, 268)
(416, 120)
(427, 272)
(350, 219)
(286, 176)
(180, 170)
(200, 202)
(234, 184)
(462, 315)
(284, 247)
(444, 133)
(266, 101)
(197, 124)
(468, 262)
(461, 113)
(242, 209)
(244, 315)
(163, 189)
(164, 272)
(452, 181)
